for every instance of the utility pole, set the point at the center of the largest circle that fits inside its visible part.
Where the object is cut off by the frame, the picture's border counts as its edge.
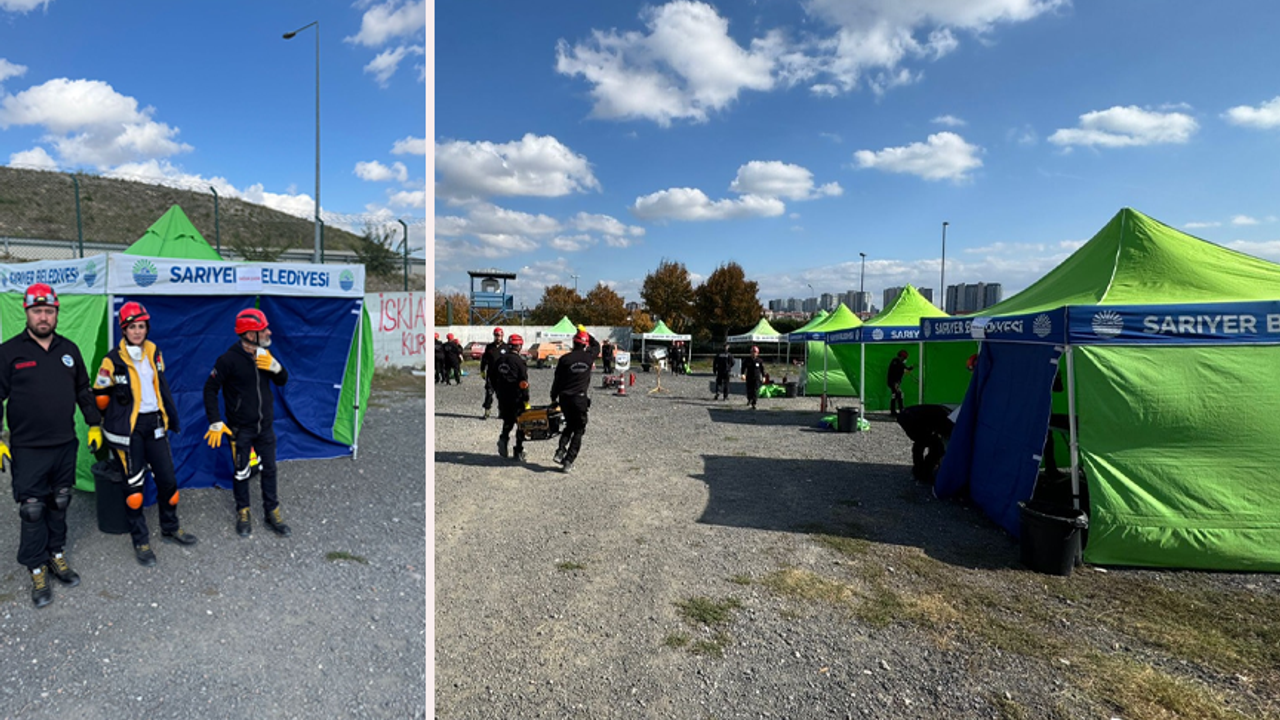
(942, 304)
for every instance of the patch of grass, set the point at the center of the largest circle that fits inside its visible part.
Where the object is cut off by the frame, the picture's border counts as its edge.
(1141, 692)
(810, 586)
(676, 640)
(712, 647)
(847, 546)
(729, 438)
(210, 592)
(740, 579)
(396, 380)
(1008, 709)
(6, 597)
(568, 566)
(702, 610)
(337, 555)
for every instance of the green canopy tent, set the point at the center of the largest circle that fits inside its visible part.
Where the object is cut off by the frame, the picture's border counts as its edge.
(563, 330)
(941, 372)
(1171, 398)
(763, 332)
(660, 333)
(821, 367)
(173, 236)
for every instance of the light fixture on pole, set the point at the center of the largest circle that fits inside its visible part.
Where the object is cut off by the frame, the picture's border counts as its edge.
(862, 274)
(575, 282)
(943, 281)
(288, 36)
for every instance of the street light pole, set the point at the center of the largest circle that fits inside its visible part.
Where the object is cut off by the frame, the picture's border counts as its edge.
(861, 276)
(943, 281)
(288, 36)
(575, 282)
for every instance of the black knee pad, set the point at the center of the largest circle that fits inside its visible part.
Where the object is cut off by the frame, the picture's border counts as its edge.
(31, 510)
(62, 498)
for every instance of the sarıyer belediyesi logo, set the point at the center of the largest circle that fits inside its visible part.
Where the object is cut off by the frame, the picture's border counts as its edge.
(1107, 324)
(346, 280)
(90, 273)
(145, 273)
(877, 334)
(1042, 326)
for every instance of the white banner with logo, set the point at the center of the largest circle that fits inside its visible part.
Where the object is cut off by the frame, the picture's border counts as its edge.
(81, 276)
(139, 275)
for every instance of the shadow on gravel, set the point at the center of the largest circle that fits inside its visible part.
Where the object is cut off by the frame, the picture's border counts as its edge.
(764, 416)
(466, 416)
(871, 501)
(477, 460)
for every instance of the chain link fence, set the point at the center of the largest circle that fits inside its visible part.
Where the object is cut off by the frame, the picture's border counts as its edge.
(46, 215)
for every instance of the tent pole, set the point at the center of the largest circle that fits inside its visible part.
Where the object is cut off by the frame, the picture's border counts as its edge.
(1071, 420)
(862, 378)
(920, 376)
(355, 430)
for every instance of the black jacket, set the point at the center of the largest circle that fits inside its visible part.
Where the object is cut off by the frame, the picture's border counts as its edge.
(490, 355)
(118, 379)
(42, 389)
(439, 351)
(723, 364)
(509, 376)
(897, 368)
(246, 391)
(573, 372)
(753, 369)
(453, 352)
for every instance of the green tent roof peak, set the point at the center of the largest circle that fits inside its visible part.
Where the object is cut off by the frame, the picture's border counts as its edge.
(906, 309)
(173, 236)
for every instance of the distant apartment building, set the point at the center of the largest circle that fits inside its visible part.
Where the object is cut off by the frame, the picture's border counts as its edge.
(859, 301)
(827, 302)
(926, 293)
(891, 294)
(972, 297)
(810, 305)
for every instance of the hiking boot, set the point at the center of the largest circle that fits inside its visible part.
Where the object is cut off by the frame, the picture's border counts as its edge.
(179, 536)
(59, 568)
(558, 458)
(275, 521)
(519, 456)
(41, 593)
(145, 555)
(568, 467)
(244, 525)
(502, 449)
(486, 413)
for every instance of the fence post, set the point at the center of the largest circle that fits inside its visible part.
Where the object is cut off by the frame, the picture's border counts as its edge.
(217, 234)
(79, 226)
(406, 253)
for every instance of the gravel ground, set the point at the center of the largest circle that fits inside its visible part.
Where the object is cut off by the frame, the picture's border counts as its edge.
(264, 627)
(558, 595)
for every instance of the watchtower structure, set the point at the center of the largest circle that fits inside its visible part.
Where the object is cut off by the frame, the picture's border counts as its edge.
(489, 293)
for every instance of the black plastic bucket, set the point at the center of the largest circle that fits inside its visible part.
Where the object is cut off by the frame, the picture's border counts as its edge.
(847, 420)
(1052, 536)
(789, 389)
(109, 496)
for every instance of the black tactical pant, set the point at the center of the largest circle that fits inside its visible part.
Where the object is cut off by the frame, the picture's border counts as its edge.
(38, 474)
(722, 386)
(575, 409)
(147, 450)
(264, 444)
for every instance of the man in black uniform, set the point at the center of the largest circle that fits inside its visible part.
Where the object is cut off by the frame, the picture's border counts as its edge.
(569, 391)
(486, 365)
(43, 378)
(677, 358)
(510, 380)
(898, 367)
(929, 427)
(452, 360)
(753, 372)
(439, 360)
(722, 366)
(606, 356)
(244, 374)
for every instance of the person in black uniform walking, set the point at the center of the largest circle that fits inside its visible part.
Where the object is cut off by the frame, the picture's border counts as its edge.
(569, 391)
(244, 374)
(486, 365)
(929, 427)
(452, 360)
(606, 356)
(722, 366)
(677, 358)
(138, 415)
(439, 360)
(753, 372)
(42, 381)
(510, 379)
(898, 367)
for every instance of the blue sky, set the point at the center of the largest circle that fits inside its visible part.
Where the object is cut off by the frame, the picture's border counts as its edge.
(598, 138)
(206, 93)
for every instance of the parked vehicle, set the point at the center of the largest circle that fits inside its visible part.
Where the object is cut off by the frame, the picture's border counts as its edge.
(474, 350)
(546, 353)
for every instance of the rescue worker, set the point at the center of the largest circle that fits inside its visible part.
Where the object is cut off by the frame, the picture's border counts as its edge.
(244, 374)
(606, 356)
(929, 427)
(486, 363)
(677, 358)
(569, 391)
(753, 372)
(722, 366)
(439, 360)
(138, 414)
(898, 367)
(43, 379)
(452, 360)
(511, 384)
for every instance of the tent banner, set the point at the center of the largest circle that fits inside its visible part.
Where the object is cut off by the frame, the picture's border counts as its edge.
(1202, 323)
(81, 276)
(1049, 327)
(140, 275)
(871, 333)
(810, 336)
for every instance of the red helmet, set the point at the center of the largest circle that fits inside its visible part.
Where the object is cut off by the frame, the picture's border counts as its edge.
(250, 320)
(972, 362)
(755, 349)
(449, 336)
(133, 312)
(497, 331)
(437, 336)
(39, 294)
(515, 340)
(581, 338)
(902, 354)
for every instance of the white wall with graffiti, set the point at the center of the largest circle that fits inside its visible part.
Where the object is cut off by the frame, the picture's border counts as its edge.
(400, 332)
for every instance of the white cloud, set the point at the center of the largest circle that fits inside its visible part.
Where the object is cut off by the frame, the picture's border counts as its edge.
(1198, 225)
(780, 180)
(8, 70)
(408, 199)
(1263, 117)
(387, 62)
(949, 121)
(571, 243)
(693, 204)
(685, 67)
(605, 225)
(374, 171)
(491, 231)
(1126, 127)
(1267, 249)
(1025, 135)
(162, 173)
(944, 156)
(34, 159)
(22, 6)
(535, 165)
(389, 20)
(410, 146)
(1243, 220)
(90, 123)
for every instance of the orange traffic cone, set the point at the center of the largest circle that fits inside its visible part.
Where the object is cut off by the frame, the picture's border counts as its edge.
(622, 388)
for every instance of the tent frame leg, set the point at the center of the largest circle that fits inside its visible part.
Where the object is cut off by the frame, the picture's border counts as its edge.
(1071, 420)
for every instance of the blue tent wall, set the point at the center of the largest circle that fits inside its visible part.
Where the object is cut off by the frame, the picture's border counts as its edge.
(313, 336)
(191, 336)
(998, 464)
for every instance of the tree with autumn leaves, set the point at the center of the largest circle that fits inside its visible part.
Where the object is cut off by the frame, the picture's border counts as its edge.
(668, 294)
(726, 302)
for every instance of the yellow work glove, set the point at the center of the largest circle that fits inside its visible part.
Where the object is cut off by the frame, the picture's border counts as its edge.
(265, 361)
(526, 406)
(5, 458)
(484, 375)
(215, 433)
(95, 439)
